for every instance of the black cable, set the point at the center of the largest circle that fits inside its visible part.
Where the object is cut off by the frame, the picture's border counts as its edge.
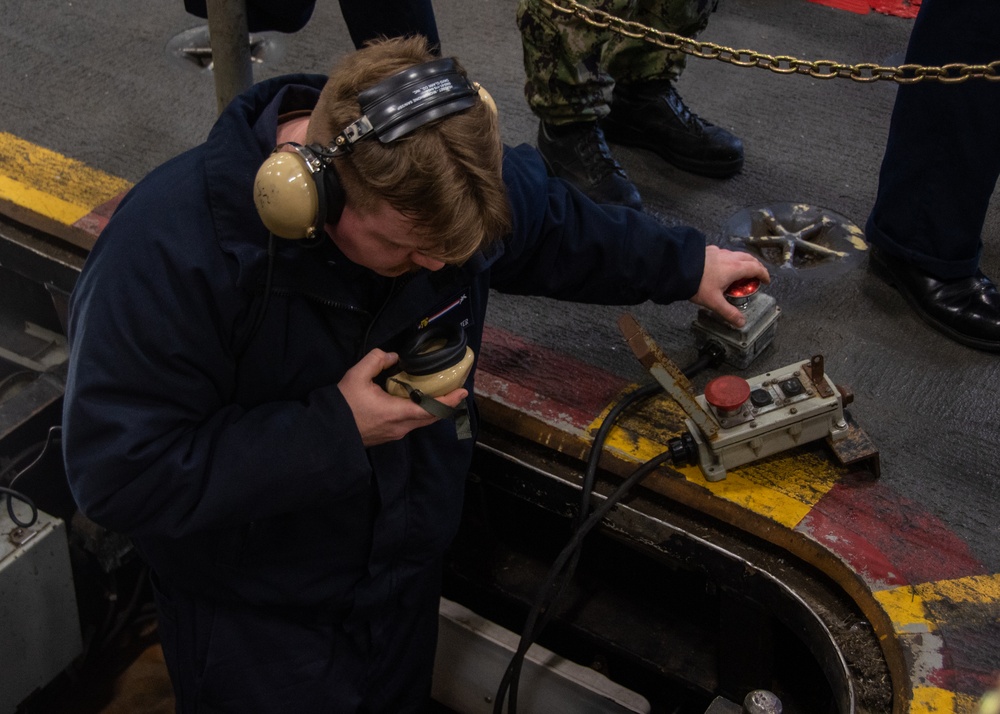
(14, 463)
(571, 547)
(54, 433)
(11, 494)
(585, 498)
(597, 447)
(709, 355)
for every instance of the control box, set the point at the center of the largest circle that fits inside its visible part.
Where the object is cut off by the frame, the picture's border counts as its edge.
(737, 421)
(767, 414)
(742, 345)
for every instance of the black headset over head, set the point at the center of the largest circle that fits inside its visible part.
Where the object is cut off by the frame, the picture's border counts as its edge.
(297, 190)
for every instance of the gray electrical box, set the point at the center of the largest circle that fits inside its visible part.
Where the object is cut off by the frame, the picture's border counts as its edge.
(39, 622)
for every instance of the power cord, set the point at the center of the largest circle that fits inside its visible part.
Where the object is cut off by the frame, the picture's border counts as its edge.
(11, 493)
(680, 450)
(530, 630)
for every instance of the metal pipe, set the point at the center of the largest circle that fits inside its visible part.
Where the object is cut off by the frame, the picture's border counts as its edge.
(230, 39)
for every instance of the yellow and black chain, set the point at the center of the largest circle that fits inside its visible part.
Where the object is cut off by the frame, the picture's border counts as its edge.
(781, 64)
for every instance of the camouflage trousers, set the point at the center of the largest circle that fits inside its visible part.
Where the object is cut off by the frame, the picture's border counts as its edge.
(571, 67)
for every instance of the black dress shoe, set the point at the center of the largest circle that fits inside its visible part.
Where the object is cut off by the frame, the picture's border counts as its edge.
(579, 154)
(652, 116)
(965, 309)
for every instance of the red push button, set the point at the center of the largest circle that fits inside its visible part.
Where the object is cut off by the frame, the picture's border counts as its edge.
(727, 393)
(740, 292)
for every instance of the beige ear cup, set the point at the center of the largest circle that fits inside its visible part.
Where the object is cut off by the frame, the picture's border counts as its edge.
(286, 196)
(437, 384)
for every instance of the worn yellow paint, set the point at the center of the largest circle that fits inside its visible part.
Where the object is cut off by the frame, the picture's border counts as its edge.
(907, 606)
(52, 185)
(783, 488)
(857, 238)
(638, 447)
(40, 202)
(975, 588)
(634, 436)
(931, 700)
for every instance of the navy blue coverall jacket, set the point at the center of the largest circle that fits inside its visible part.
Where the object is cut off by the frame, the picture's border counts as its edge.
(295, 569)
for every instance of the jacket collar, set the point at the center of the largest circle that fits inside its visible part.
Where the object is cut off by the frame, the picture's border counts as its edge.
(241, 139)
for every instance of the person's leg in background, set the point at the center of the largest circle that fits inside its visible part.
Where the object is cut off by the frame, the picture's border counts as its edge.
(369, 19)
(585, 82)
(569, 89)
(940, 169)
(647, 111)
(365, 19)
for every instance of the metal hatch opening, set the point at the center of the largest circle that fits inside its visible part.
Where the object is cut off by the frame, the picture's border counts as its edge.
(664, 602)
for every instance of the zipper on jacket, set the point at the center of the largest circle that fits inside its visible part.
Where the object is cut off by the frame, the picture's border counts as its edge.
(312, 297)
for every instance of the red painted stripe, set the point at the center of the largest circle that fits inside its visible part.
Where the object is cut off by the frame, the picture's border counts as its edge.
(862, 556)
(543, 382)
(95, 221)
(859, 6)
(899, 8)
(886, 538)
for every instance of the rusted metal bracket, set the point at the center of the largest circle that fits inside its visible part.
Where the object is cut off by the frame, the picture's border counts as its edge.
(668, 374)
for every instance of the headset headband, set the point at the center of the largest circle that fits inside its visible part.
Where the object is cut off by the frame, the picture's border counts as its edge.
(297, 191)
(409, 99)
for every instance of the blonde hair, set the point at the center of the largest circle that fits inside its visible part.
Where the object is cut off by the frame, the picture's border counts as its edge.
(445, 175)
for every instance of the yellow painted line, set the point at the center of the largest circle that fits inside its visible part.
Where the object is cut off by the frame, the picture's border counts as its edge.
(638, 447)
(52, 185)
(784, 489)
(905, 607)
(781, 488)
(931, 700)
(637, 437)
(908, 606)
(40, 202)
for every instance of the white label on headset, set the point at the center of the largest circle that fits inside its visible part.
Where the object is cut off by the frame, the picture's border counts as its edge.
(428, 90)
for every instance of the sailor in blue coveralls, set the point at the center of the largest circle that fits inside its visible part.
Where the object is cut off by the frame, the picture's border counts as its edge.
(225, 404)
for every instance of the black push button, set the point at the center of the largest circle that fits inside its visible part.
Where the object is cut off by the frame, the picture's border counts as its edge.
(760, 398)
(792, 387)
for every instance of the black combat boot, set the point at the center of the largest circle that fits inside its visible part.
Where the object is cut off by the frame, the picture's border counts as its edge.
(651, 115)
(579, 154)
